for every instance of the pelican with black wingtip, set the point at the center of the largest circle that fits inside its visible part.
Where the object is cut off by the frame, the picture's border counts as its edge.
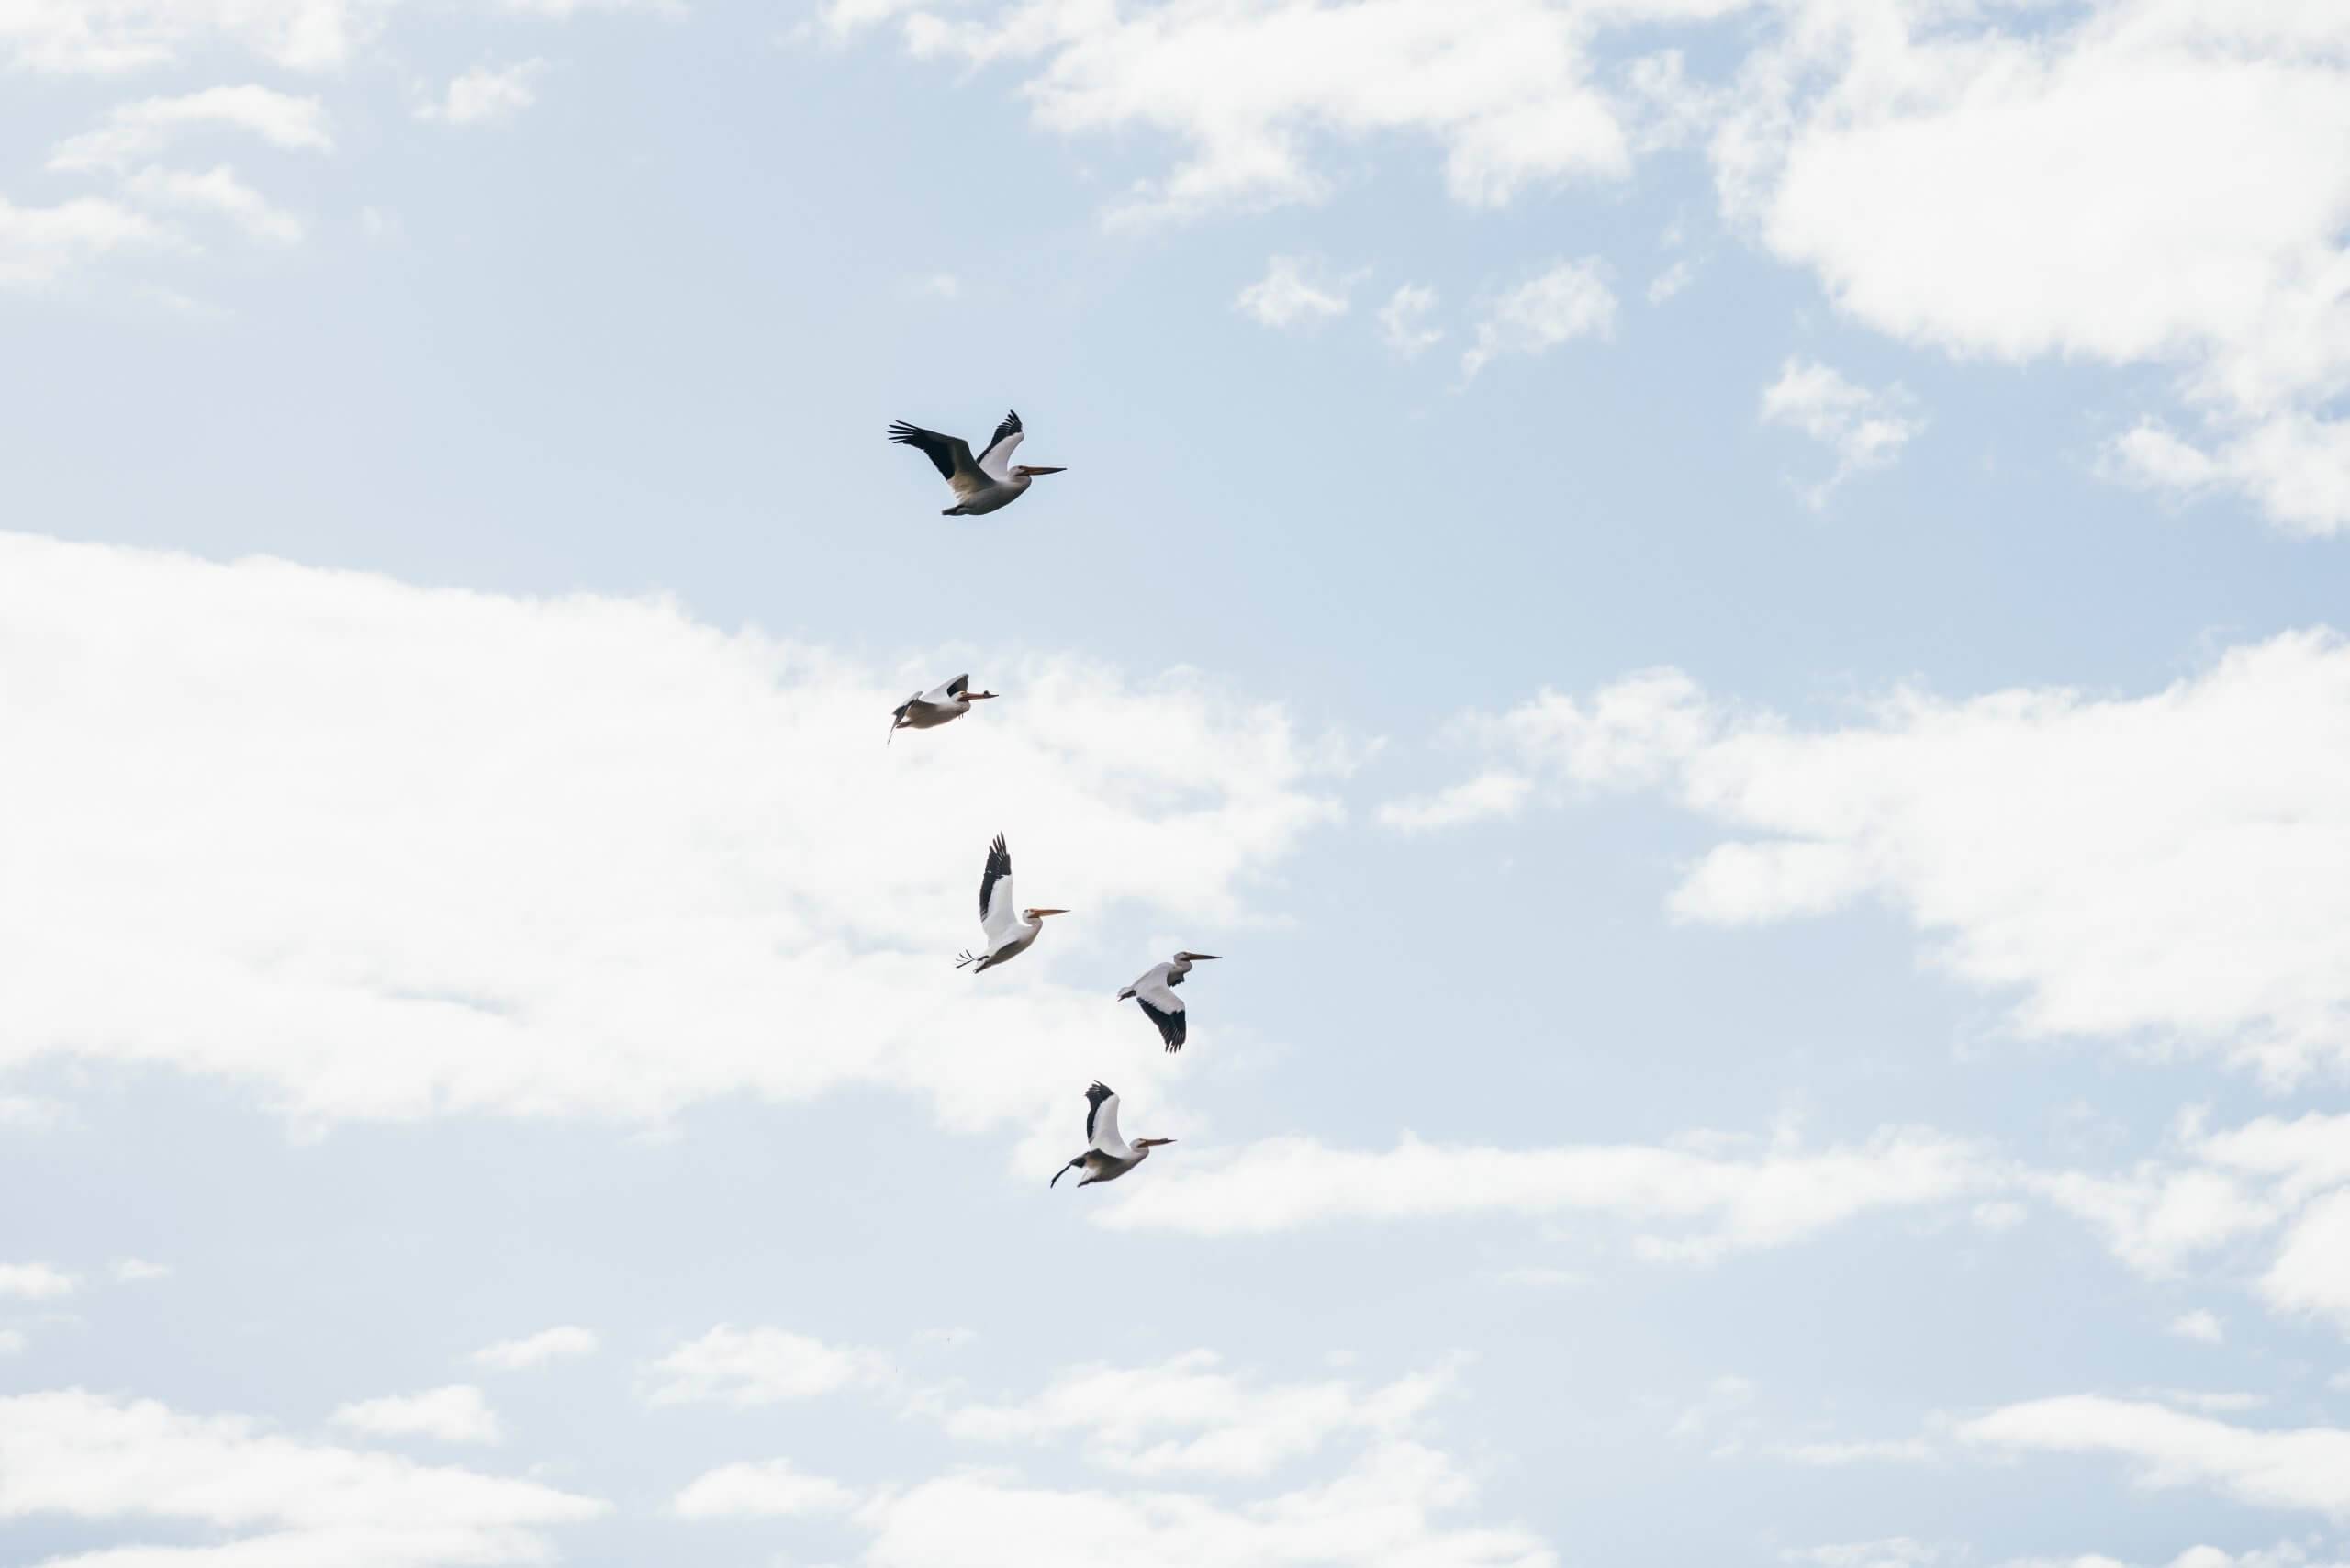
(1107, 1156)
(1155, 995)
(928, 710)
(1008, 932)
(981, 484)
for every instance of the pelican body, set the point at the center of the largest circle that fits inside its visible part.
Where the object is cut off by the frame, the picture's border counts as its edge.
(1155, 995)
(1008, 933)
(988, 483)
(1107, 1156)
(928, 710)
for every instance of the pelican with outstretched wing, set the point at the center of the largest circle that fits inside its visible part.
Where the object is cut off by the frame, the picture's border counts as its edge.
(1155, 995)
(928, 710)
(983, 484)
(1107, 1156)
(1008, 933)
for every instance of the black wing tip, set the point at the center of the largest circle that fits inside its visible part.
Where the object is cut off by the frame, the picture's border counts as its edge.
(959, 685)
(1099, 1093)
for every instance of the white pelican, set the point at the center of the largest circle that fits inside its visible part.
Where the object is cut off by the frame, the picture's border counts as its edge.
(993, 481)
(928, 710)
(1155, 992)
(1008, 933)
(1107, 1156)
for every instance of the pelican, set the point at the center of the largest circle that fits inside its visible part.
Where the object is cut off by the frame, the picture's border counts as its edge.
(928, 710)
(993, 481)
(1107, 1156)
(1008, 933)
(1155, 992)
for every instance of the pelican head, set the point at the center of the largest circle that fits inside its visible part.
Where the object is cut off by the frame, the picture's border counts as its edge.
(1034, 915)
(1023, 471)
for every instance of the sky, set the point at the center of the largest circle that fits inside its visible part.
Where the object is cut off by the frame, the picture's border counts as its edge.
(1728, 612)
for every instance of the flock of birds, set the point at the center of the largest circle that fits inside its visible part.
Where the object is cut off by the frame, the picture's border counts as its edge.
(985, 484)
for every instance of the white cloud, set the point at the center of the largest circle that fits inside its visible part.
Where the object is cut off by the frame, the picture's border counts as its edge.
(2311, 1274)
(2036, 192)
(1864, 429)
(109, 37)
(1294, 292)
(216, 190)
(1502, 86)
(2294, 465)
(537, 1350)
(487, 96)
(139, 129)
(12, 1342)
(38, 244)
(775, 1489)
(760, 1366)
(138, 1270)
(91, 1457)
(1670, 281)
(1495, 794)
(1389, 1506)
(2202, 1326)
(1402, 322)
(2282, 1468)
(1716, 1197)
(2173, 866)
(34, 1281)
(770, 882)
(1571, 300)
(1893, 1551)
(456, 1414)
(1203, 1420)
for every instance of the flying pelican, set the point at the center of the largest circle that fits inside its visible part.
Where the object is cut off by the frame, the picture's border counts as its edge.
(1155, 992)
(1107, 1156)
(1008, 934)
(993, 481)
(928, 710)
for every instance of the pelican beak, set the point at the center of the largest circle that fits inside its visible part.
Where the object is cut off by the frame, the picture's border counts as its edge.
(1152, 1142)
(1032, 469)
(1040, 913)
(976, 696)
(1202, 957)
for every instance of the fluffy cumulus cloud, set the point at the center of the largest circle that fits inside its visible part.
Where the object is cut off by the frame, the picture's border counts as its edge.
(2299, 1468)
(38, 244)
(1505, 88)
(399, 783)
(34, 1281)
(1295, 292)
(1404, 320)
(1700, 1199)
(136, 1466)
(218, 190)
(2173, 866)
(761, 1366)
(1203, 1420)
(486, 94)
(768, 1489)
(146, 126)
(457, 1414)
(1570, 300)
(1863, 428)
(1957, 179)
(563, 1343)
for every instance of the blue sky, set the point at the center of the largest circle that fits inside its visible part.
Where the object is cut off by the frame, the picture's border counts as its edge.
(1727, 612)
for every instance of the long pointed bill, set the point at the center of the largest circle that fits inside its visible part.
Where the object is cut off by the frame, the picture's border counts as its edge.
(1033, 470)
(1152, 1142)
(1040, 913)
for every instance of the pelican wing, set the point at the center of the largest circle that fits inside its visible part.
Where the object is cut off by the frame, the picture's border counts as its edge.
(996, 461)
(950, 454)
(940, 696)
(1102, 1118)
(1155, 994)
(997, 912)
